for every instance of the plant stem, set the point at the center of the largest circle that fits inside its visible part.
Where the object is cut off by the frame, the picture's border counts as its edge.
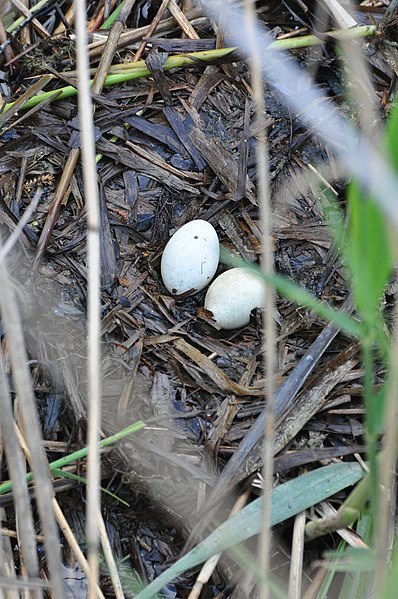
(20, 20)
(6, 487)
(139, 69)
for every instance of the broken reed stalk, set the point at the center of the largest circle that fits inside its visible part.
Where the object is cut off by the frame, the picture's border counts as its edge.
(297, 557)
(267, 265)
(139, 69)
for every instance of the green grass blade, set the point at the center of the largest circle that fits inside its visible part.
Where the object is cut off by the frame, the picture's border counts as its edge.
(391, 138)
(135, 70)
(6, 487)
(369, 248)
(112, 17)
(139, 69)
(358, 582)
(368, 251)
(287, 500)
(64, 474)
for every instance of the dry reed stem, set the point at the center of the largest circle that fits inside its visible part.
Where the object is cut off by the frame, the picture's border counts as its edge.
(73, 544)
(209, 566)
(110, 48)
(17, 471)
(27, 405)
(8, 53)
(93, 293)
(182, 21)
(7, 564)
(69, 17)
(316, 584)
(97, 20)
(110, 561)
(296, 559)
(20, 6)
(267, 264)
(137, 34)
(341, 15)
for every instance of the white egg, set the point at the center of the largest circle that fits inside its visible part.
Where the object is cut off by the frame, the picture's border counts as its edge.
(233, 295)
(190, 258)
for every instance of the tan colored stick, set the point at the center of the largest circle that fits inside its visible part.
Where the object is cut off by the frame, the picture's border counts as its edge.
(209, 566)
(151, 29)
(183, 21)
(73, 544)
(26, 12)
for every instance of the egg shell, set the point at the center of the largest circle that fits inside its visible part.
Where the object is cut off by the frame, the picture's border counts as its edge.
(233, 295)
(190, 258)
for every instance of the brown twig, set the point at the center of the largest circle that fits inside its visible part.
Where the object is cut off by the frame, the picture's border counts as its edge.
(98, 19)
(151, 29)
(182, 20)
(71, 539)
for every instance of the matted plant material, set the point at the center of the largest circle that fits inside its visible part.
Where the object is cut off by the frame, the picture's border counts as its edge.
(175, 130)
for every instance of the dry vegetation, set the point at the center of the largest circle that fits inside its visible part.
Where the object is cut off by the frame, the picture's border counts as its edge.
(171, 147)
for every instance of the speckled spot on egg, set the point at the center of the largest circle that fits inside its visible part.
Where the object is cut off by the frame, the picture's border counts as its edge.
(190, 258)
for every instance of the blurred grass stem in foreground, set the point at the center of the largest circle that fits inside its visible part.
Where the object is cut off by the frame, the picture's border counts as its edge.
(267, 264)
(317, 112)
(93, 293)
